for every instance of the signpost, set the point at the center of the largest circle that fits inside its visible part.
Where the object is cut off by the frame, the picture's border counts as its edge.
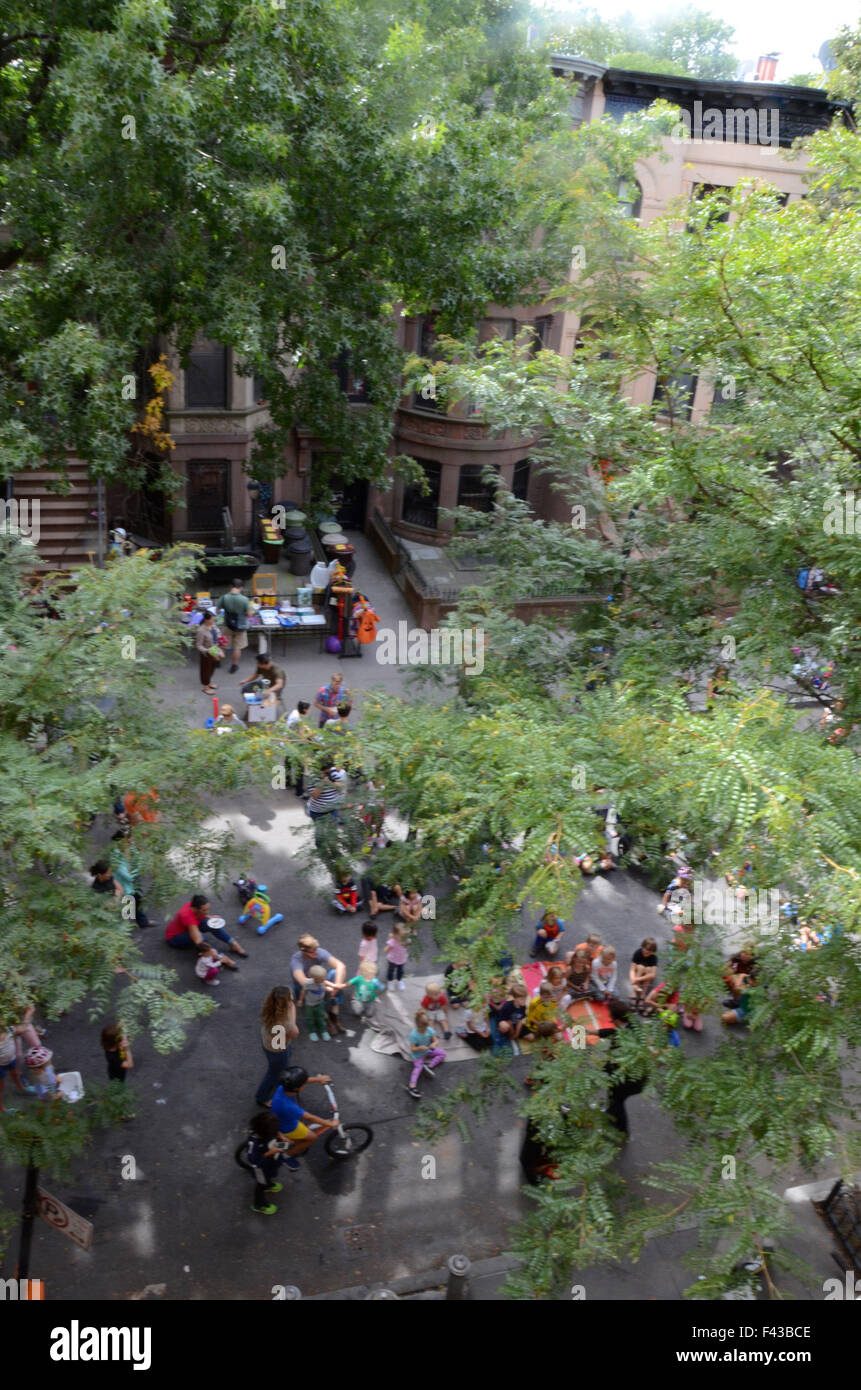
(62, 1218)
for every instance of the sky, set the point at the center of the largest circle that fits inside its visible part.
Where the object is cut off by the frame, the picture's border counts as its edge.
(794, 28)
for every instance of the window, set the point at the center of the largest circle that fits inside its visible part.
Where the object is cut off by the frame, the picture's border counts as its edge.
(720, 208)
(630, 197)
(259, 391)
(473, 491)
(674, 393)
(506, 329)
(206, 379)
(520, 479)
(351, 382)
(541, 329)
(425, 398)
(420, 508)
(727, 394)
(207, 492)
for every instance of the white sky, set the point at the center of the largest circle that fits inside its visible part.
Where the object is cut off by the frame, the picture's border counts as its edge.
(794, 28)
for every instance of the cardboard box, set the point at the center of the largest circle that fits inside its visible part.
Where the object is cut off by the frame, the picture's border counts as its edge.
(262, 714)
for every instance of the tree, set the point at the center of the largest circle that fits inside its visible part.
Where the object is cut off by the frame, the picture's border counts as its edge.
(690, 43)
(703, 532)
(80, 724)
(277, 178)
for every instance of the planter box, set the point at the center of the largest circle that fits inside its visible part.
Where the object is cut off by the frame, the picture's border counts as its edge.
(243, 567)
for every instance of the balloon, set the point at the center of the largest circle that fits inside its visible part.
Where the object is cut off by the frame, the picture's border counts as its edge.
(333, 644)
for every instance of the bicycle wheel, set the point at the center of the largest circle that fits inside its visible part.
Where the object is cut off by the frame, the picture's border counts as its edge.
(348, 1141)
(241, 1156)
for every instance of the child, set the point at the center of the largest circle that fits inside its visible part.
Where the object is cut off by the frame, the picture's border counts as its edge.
(118, 1054)
(425, 1055)
(593, 945)
(548, 935)
(368, 987)
(457, 978)
(369, 946)
(434, 1005)
(644, 967)
(265, 1154)
(542, 1009)
(555, 978)
(209, 962)
(666, 1001)
(346, 897)
(41, 1074)
(579, 981)
(396, 954)
(313, 996)
(604, 973)
(474, 1028)
(512, 1015)
(410, 905)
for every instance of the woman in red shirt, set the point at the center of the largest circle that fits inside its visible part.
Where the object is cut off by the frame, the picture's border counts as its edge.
(187, 927)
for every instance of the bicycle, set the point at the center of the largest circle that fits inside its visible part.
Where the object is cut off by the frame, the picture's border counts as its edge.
(347, 1141)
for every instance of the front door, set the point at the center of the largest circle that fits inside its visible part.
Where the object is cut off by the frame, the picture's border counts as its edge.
(207, 492)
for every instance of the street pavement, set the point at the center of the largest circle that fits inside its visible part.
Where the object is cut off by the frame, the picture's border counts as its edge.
(182, 1228)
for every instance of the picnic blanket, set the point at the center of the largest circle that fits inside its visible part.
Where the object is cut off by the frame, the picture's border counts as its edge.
(394, 1017)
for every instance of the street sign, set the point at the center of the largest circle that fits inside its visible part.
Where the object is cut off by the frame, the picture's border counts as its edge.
(62, 1218)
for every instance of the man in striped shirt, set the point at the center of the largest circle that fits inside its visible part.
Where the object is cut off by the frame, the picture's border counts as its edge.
(326, 797)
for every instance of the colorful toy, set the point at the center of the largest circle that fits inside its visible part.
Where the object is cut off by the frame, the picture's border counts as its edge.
(259, 908)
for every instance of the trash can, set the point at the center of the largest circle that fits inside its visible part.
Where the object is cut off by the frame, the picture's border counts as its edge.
(272, 552)
(300, 556)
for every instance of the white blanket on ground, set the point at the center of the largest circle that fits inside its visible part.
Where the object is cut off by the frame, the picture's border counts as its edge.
(394, 1019)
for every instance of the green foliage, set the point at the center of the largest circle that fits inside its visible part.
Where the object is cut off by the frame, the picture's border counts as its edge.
(689, 42)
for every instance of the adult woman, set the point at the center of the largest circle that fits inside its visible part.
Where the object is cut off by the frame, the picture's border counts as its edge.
(277, 1031)
(206, 640)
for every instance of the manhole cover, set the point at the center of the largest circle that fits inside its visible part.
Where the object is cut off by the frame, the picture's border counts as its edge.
(360, 1240)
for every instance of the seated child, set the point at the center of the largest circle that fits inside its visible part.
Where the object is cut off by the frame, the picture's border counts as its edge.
(592, 945)
(313, 997)
(548, 935)
(346, 897)
(644, 967)
(368, 987)
(542, 1009)
(425, 1054)
(579, 981)
(457, 977)
(664, 1001)
(434, 1005)
(604, 973)
(209, 962)
(555, 978)
(474, 1028)
(512, 1015)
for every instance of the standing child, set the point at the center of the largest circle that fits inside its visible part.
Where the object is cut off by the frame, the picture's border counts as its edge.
(605, 971)
(313, 997)
(425, 1055)
(369, 946)
(396, 954)
(265, 1153)
(41, 1074)
(118, 1054)
(368, 987)
(435, 1004)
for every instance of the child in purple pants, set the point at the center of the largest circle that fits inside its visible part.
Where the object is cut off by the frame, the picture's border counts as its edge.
(425, 1055)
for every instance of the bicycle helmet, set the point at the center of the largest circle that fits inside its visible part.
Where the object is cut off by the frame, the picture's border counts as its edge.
(293, 1078)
